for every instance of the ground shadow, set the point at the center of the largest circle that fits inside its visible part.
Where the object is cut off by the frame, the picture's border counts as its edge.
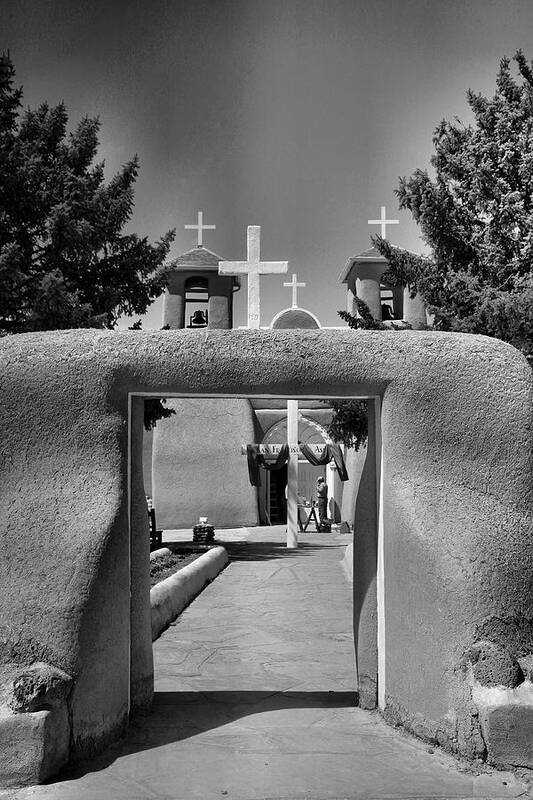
(259, 551)
(176, 716)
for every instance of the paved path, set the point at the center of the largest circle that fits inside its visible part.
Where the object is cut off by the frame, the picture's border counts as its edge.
(255, 690)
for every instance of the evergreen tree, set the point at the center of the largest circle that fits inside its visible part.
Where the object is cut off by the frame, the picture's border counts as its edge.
(476, 214)
(155, 408)
(64, 259)
(349, 424)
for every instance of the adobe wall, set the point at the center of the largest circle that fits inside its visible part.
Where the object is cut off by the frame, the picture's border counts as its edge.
(457, 435)
(198, 468)
(365, 546)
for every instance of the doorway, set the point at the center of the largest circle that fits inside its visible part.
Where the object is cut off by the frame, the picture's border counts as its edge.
(368, 628)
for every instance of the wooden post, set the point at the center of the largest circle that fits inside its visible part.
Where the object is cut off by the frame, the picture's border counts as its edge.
(292, 475)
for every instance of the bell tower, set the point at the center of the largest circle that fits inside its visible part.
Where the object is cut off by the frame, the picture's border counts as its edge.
(197, 296)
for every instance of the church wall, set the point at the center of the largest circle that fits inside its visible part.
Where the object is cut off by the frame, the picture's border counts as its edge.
(198, 468)
(355, 462)
(267, 417)
(148, 440)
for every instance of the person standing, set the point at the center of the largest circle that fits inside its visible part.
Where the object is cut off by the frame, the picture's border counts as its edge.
(322, 501)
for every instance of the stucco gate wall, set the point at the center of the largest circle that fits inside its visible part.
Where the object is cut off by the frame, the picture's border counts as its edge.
(457, 436)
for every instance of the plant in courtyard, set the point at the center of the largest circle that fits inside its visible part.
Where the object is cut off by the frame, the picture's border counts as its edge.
(65, 261)
(154, 407)
(349, 425)
(476, 214)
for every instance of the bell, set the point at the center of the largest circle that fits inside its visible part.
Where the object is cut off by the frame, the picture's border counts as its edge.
(199, 319)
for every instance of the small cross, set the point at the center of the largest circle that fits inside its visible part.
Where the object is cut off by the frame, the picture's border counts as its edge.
(294, 286)
(383, 222)
(253, 267)
(200, 227)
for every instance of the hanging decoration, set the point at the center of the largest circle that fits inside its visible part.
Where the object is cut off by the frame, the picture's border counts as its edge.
(330, 451)
(257, 459)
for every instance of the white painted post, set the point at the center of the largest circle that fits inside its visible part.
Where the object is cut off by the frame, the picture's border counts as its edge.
(292, 475)
(330, 482)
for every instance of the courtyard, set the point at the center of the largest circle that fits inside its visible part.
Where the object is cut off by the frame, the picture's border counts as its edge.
(255, 697)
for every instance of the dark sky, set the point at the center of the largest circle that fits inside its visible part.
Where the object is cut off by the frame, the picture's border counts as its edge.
(296, 115)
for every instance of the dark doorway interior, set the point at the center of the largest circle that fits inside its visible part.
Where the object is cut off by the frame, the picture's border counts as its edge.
(278, 502)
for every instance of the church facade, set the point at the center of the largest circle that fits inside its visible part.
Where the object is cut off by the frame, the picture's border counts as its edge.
(195, 465)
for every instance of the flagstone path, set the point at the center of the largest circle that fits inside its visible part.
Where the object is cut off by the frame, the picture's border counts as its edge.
(255, 693)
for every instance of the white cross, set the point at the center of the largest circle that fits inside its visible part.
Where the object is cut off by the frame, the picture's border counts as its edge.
(200, 227)
(383, 222)
(294, 286)
(253, 267)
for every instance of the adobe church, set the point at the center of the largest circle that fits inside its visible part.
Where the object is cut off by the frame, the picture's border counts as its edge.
(194, 463)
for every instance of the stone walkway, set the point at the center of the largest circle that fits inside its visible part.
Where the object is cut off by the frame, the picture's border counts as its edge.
(255, 690)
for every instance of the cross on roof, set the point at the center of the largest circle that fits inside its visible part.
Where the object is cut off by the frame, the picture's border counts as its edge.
(294, 285)
(200, 227)
(383, 221)
(253, 268)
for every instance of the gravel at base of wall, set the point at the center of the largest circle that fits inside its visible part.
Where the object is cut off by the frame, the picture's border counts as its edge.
(161, 553)
(169, 597)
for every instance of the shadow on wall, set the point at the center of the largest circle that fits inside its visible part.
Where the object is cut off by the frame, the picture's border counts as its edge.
(365, 563)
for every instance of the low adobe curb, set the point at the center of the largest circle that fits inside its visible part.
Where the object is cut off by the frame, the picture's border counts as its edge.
(169, 597)
(162, 552)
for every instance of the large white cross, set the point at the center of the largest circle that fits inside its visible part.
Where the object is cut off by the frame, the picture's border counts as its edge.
(383, 221)
(253, 267)
(294, 286)
(200, 227)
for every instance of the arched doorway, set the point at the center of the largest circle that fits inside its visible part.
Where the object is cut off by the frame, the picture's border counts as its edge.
(309, 432)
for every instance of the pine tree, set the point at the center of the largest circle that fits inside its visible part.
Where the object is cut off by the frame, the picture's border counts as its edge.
(65, 261)
(476, 215)
(349, 423)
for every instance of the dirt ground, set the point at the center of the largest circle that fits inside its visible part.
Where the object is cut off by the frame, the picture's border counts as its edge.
(164, 567)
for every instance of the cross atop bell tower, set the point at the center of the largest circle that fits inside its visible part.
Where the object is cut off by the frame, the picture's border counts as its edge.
(200, 228)
(383, 221)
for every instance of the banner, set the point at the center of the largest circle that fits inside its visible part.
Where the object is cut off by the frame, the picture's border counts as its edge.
(315, 454)
(330, 451)
(257, 459)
